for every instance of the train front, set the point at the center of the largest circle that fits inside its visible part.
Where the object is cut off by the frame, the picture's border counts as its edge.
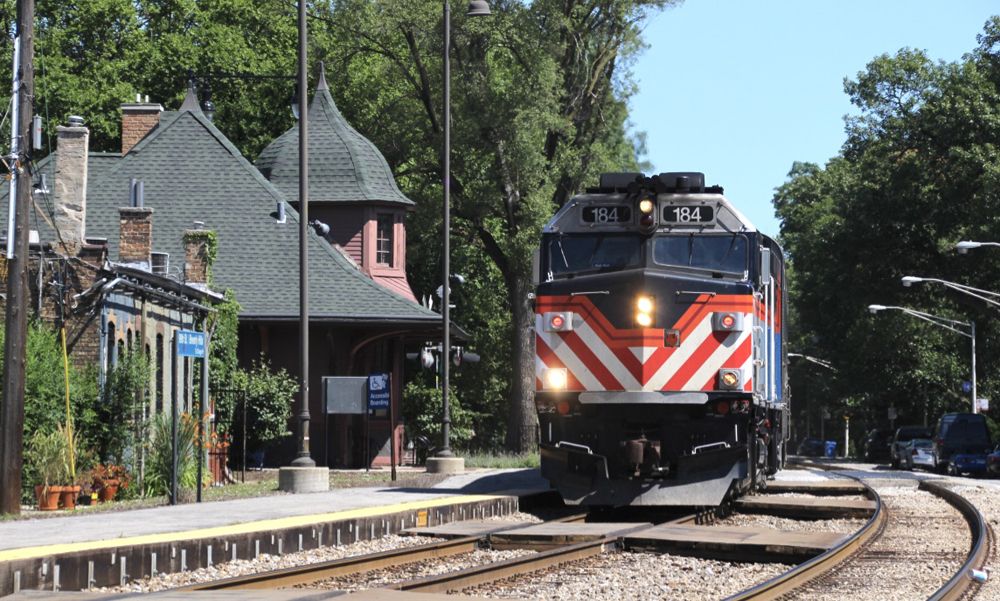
(658, 349)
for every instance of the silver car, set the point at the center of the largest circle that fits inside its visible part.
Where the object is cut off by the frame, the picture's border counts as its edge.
(918, 452)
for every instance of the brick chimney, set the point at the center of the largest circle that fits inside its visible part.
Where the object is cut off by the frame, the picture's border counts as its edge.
(136, 238)
(70, 187)
(138, 119)
(196, 257)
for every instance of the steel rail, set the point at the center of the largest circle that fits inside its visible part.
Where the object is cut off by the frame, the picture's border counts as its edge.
(821, 564)
(962, 581)
(287, 577)
(475, 576)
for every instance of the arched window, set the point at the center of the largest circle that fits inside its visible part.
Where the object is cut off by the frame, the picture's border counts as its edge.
(111, 359)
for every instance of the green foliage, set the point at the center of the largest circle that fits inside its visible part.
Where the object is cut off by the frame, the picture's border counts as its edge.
(423, 410)
(159, 467)
(269, 396)
(46, 458)
(919, 171)
(539, 107)
(124, 425)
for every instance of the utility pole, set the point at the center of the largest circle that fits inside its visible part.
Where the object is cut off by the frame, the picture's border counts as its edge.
(16, 319)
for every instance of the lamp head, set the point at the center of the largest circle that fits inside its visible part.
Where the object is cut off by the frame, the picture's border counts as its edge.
(876, 308)
(909, 280)
(478, 8)
(294, 102)
(964, 246)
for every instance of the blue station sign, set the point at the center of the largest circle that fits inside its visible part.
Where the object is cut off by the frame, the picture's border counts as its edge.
(379, 392)
(190, 344)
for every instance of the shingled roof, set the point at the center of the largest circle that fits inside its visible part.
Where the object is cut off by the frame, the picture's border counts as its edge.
(191, 172)
(344, 166)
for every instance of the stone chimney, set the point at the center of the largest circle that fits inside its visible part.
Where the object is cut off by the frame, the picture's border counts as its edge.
(136, 236)
(196, 265)
(70, 187)
(138, 120)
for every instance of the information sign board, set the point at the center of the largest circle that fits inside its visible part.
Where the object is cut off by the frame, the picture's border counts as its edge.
(190, 344)
(379, 392)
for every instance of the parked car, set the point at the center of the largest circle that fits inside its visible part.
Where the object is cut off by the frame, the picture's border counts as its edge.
(993, 463)
(877, 445)
(812, 447)
(967, 461)
(957, 432)
(918, 452)
(903, 435)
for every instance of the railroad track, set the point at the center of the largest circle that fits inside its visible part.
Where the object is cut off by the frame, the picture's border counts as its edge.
(818, 572)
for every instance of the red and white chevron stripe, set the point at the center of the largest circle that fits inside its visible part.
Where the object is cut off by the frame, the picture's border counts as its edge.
(598, 356)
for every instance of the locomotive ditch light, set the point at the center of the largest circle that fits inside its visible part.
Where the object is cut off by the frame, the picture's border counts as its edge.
(727, 322)
(644, 311)
(557, 321)
(555, 378)
(730, 379)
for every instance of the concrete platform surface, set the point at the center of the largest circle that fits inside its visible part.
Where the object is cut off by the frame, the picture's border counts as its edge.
(728, 542)
(81, 526)
(822, 487)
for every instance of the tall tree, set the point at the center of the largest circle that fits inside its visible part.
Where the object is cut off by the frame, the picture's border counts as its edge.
(540, 95)
(917, 173)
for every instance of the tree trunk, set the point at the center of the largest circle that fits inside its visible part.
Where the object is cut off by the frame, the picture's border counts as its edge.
(522, 423)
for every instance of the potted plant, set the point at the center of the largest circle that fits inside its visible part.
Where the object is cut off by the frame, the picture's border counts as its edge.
(108, 478)
(70, 490)
(47, 460)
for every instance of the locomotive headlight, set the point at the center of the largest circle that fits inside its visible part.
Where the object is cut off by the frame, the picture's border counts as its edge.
(645, 206)
(644, 311)
(556, 378)
(647, 216)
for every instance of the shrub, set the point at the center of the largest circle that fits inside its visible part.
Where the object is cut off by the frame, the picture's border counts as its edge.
(423, 411)
(159, 468)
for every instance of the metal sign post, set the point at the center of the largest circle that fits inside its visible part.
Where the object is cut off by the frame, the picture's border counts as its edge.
(187, 344)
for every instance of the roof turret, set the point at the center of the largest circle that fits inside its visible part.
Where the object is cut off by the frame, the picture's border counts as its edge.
(344, 166)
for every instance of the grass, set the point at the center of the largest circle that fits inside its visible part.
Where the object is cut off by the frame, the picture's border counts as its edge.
(502, 461)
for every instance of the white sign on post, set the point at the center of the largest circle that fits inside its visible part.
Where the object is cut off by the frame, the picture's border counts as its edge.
(983, 404)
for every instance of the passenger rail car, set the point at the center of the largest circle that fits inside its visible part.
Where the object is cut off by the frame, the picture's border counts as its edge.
(660, 355)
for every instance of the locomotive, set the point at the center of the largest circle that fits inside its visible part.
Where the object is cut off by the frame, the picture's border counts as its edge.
(660, 356)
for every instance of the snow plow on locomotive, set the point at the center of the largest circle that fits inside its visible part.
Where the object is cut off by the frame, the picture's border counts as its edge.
(660, 356)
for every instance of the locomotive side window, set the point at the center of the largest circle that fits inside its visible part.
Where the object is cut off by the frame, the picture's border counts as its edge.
(726, 254)
(574, 254)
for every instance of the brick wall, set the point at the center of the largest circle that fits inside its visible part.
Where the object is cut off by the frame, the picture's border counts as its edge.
(137, 121)
(196, 256)
(136, 234)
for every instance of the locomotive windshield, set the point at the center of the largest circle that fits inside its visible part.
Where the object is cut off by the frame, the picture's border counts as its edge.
(594, 252)
(718, 254)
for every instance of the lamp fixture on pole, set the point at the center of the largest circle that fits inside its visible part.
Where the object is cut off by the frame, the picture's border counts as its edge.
(948, 324)
(964, 246)
(477, 8)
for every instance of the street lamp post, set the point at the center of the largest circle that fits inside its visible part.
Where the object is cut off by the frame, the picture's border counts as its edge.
(477, 8)
(964, 246)
(949, 324)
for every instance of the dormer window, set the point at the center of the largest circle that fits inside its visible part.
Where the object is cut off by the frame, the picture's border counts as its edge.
(384, 239)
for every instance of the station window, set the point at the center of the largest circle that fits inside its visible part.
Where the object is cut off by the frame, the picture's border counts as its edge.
(384, 239)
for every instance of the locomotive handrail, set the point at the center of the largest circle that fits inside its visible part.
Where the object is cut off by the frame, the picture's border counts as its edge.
(698, 292)
(699, 448)
(592, 292)
(563, 443)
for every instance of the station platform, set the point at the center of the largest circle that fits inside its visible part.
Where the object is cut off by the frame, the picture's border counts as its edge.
(79, 550)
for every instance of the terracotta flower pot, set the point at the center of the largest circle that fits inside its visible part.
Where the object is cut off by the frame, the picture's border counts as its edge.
(48, 499)
(67, 497)
(107, 492)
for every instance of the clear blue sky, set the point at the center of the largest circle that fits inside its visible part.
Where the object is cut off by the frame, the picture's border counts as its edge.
(740, 90)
